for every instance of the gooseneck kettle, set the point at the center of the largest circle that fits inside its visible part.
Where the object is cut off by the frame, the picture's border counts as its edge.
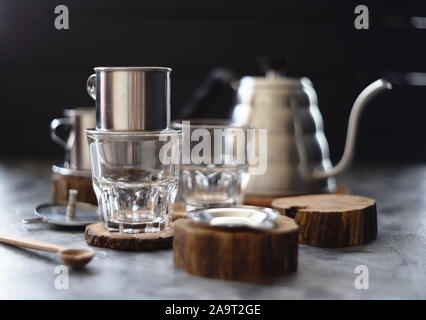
(298, 160)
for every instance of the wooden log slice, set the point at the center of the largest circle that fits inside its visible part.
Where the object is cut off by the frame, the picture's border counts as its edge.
(331, 220)
(236, 254)
(263, 201)
(260, 201)
(97, 236)
(62, 183)
(179, 211)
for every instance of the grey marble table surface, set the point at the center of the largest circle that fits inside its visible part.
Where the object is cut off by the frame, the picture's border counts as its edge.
(396, 260)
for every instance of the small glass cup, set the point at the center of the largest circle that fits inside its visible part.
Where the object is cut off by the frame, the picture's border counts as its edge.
(135, 178)
(214, 167)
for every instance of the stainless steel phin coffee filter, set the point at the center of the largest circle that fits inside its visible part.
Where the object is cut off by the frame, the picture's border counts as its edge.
(135, 189)
(131, 98)
(76, 148)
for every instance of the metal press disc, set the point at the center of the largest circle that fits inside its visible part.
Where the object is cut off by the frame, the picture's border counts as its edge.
(55, 213)
(252, 217)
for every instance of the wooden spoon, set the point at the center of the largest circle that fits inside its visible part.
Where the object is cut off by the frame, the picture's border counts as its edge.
(76, 258)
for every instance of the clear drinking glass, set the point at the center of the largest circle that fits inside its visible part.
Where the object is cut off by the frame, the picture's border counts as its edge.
(135, 178)
(214, 167)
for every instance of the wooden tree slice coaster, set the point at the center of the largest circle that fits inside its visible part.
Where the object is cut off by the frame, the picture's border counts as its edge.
(331, 220)
(263, 201)
(258, 201)
(236, 254)
(97, 236)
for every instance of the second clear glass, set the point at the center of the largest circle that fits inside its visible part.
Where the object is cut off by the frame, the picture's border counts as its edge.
(219, 178)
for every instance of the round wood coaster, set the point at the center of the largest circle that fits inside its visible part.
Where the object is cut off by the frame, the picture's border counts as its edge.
(331, 220)
(263, 201)
(258, 201)
(236, 254)
(97, 236)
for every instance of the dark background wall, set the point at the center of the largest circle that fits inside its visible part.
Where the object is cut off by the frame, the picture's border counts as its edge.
(44, 70)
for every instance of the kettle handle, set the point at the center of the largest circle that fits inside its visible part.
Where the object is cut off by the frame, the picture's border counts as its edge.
(91, 86)
(209, 89)
(361, 101)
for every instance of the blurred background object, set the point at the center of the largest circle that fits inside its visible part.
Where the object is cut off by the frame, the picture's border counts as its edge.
(44, 70)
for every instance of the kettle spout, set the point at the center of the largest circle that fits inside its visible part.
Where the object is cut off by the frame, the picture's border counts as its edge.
(361, 101)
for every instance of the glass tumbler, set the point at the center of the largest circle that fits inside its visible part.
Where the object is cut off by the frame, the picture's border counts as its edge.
(214, 167)
(135, 178)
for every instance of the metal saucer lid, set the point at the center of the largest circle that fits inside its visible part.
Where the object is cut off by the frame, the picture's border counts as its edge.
(62, 213)
(252, 217)
(56, 213)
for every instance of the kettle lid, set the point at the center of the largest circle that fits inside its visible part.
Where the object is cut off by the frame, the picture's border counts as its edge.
(273, 80)
(274, 68)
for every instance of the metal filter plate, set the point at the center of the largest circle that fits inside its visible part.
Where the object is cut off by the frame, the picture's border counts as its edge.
(55, 213)
(259, 218)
